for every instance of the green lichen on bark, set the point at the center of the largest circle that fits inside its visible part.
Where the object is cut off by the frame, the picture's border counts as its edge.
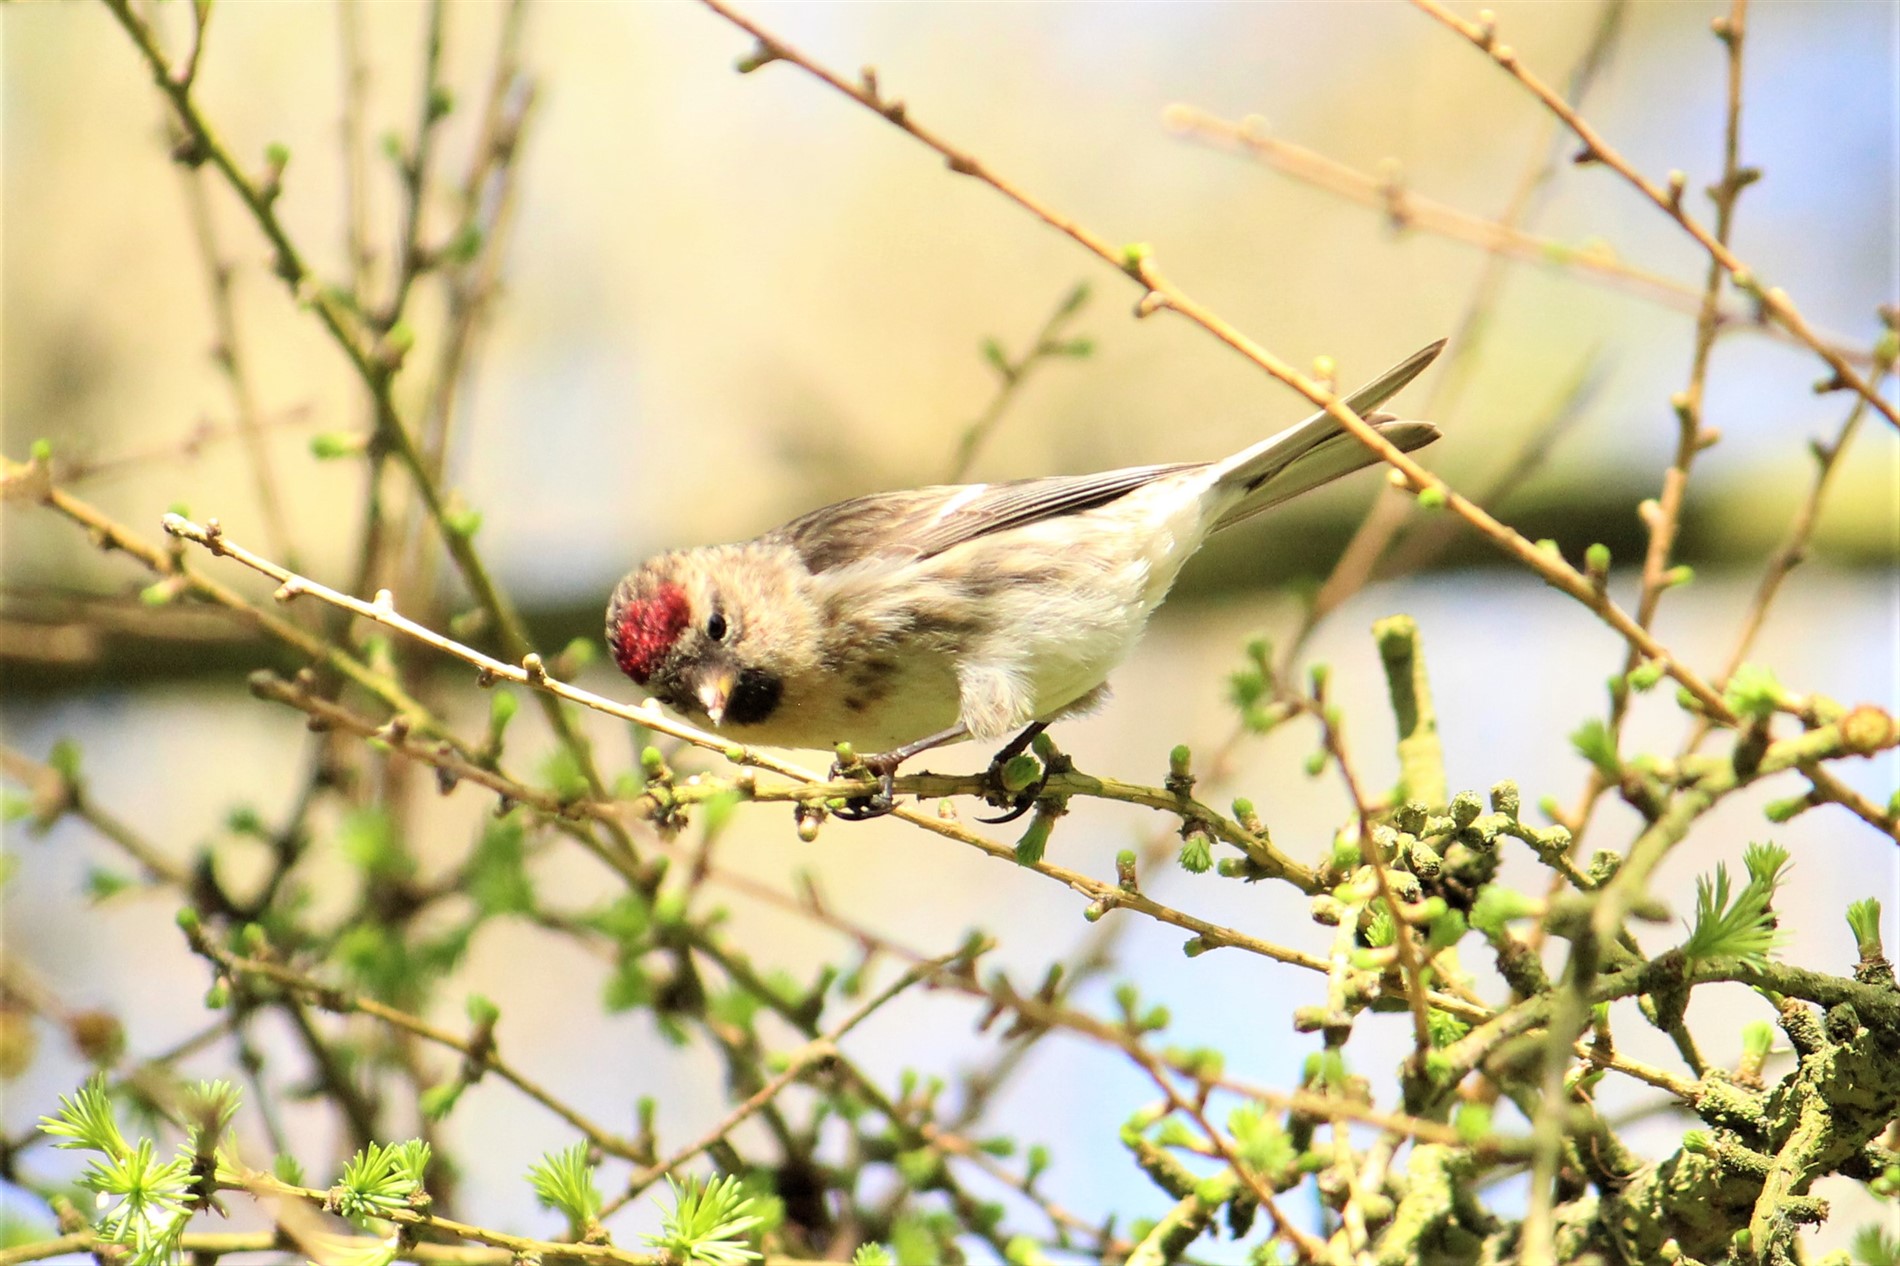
(1766, 1149)
(1437, 1221)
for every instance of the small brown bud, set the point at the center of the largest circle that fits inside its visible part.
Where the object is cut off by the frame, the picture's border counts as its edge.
(98, 1036)
(19, 1040)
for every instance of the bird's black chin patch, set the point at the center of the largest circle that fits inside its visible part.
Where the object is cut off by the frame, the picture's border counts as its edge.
(754, 697)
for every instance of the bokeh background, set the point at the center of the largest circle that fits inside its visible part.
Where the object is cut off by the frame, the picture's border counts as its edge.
(729, 299)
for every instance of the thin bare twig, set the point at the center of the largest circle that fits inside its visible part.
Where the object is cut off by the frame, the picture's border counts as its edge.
(1360, 562)
(799, 1062)
(330, 998)
(1408, 210)
(1011, 373)
(1403, 942)
(1793, 548)
(54, 795)
(1303, 1243)
(412, 260)
(1663, 516)
(186, 447)
(228, 352)
(353, 133)
(1776, 304)
(110, 535)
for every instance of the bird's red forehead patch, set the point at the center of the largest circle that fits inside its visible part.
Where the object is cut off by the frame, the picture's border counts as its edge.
(647, 629)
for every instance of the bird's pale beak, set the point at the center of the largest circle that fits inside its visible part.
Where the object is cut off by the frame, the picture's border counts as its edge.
(713, 693)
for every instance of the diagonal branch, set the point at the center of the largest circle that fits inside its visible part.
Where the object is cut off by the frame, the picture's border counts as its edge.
(1407, 210)
(1776, 304)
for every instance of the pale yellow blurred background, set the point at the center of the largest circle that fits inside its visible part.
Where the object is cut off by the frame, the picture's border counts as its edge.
(730, 299)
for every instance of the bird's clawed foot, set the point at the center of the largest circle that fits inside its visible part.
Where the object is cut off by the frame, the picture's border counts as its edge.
(1020, 800)
(882, 766)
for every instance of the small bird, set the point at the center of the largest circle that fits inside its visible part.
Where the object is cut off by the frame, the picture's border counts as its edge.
(902, 621)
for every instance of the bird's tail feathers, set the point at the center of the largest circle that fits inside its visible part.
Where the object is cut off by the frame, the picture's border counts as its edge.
(1319, 450)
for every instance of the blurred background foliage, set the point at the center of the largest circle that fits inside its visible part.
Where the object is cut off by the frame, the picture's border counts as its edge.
(729, 299)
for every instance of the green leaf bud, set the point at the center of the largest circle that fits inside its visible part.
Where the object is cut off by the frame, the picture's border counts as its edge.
(439, 1100)
(1472, 1121)
(1020, 772)
(996, 357)
(328, 446)
(1497, 905)
(482, 1011)
(1035, 840)
(1596, 744)
(1754, 692)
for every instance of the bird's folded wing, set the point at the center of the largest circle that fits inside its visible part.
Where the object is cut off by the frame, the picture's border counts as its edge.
(927, 521)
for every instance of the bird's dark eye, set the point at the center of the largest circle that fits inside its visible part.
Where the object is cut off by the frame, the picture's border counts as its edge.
(716, 627)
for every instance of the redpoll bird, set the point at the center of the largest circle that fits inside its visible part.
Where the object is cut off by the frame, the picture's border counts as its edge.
(905, 620)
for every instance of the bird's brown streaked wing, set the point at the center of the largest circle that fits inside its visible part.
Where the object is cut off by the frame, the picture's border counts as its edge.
(927, 521)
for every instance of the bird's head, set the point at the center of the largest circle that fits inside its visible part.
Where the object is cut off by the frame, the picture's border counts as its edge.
(683, 626)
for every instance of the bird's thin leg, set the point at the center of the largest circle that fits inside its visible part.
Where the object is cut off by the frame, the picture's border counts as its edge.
(1026, 798)
(884, 765)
